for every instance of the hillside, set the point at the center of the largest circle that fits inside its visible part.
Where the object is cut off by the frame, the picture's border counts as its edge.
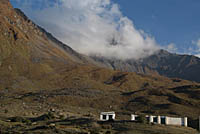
(28, 53)
(162, 63)
(38, 73)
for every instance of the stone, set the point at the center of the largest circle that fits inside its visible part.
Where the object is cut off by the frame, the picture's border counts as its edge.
(9, 20)
(10, 68)
(52, 125)
(52, 110)
(18, 21)
(34, 123)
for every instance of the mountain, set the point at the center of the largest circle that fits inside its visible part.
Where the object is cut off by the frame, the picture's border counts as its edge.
(29, 53)
(39, 73)
(162, 63)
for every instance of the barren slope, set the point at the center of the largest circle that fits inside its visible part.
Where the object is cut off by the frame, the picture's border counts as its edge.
(37, 74)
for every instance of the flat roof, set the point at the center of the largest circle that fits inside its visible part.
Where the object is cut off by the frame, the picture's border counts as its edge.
(107, 112)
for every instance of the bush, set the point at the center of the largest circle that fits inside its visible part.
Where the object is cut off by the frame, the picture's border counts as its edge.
(142, 119)
(108, 132)
(6, 111)
(47, 116)
(62, 117)
(106, 126)
(95, 131)
(51, 115)
(21, 119)
(17, 119)
(27, 121)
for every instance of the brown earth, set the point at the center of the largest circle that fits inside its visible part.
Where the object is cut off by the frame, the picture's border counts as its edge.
(39, 73)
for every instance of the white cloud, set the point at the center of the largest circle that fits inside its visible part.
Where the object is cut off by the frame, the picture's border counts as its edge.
(197, 44)
(197, 55)
(90, 26)
(171, 48)
(197, 48)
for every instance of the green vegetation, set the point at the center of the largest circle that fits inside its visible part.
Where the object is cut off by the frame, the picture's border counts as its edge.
(21, 120)
(6, 111)
(142, 119)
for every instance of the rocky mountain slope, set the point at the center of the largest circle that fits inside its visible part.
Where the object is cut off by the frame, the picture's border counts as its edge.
(28, 52)
(162, 63)
(39, 73)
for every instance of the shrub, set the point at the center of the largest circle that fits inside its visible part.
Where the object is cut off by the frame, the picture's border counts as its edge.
(17, 119)
(95, 131)
(106, 126)
(62, 117)
(27, 121)
(21, 119)
(142, 119)
(6, 111)
(50, 115)
(108, 132)
(47, 116)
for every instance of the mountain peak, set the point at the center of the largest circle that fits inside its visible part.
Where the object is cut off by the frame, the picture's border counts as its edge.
(5, 5)
(4, 1)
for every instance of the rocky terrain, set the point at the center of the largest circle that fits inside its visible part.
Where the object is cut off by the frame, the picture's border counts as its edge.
(162, 63)
(39, 74)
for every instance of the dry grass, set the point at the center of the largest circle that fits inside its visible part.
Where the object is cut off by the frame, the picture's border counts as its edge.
(75, 125)
(36, 75)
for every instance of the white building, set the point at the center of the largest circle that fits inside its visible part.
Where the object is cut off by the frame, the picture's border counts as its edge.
(106, 116)
(164, 120)
(177, 121)
(133, 117)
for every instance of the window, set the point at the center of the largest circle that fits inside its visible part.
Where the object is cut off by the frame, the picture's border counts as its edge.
(155, 119)
(110, 117)
(104, 117)
(163, 120)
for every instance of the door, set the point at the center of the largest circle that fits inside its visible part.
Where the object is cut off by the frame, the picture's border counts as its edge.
(163, 120)
(104, 117)
(110, 117)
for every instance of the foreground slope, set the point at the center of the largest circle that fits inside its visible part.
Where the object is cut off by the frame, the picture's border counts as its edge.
(85, 125)
(38, 73)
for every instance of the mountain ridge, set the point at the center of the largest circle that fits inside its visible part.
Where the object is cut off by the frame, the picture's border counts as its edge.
(162, 63)
(37, 75)
(77, 56)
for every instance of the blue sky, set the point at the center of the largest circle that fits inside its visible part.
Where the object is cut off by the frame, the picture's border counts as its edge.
(174, 22)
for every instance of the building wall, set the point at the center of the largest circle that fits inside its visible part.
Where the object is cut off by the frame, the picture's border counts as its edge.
(133, 117)
(107, 117)
(167, 120)
(175, 121)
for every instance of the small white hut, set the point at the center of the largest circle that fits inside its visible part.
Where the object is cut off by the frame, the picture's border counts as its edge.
(106, 116)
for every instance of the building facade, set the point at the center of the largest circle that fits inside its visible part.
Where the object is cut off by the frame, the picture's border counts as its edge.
(164, 120)
(107, 116)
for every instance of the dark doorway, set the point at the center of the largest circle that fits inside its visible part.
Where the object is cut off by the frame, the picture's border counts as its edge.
(110, 117)
(155, 119)
(148, 119)
(163, 120)
(104, 117)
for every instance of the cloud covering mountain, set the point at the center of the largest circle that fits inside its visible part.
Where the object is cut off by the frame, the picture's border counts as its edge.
(92, 27)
